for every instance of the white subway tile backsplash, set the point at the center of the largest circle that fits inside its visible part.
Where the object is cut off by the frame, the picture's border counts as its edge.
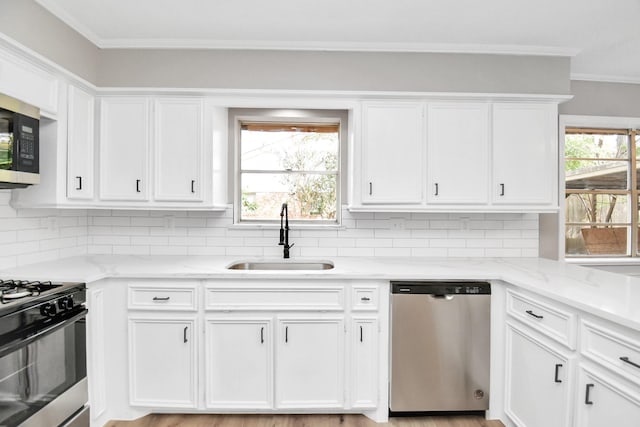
(33, 235)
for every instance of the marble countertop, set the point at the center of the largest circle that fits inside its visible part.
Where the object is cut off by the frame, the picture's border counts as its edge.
(612, 296)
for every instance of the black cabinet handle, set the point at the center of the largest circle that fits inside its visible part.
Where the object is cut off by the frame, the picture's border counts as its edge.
(531, 313)
(365, 299)
(193, 183)
(79, 187)
(370, 188)
(137, 185)
(625, 359)
(185, 333)
(436, 193)
(360, 333)
(286, 334)
(161, 298)
(558, 366)
(262, 335)
(587, 401)
(502, 189)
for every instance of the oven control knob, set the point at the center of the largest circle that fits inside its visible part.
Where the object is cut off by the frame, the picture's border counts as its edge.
(48, 310)
(65, 303)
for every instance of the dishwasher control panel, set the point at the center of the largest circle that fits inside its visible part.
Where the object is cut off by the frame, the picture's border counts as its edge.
(441, 288)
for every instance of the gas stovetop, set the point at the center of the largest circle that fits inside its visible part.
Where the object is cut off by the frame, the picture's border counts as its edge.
(15, 295)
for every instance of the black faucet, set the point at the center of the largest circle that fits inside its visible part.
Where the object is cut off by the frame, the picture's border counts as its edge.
(284, 231)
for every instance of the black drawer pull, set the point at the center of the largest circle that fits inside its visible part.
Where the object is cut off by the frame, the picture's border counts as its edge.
(587, 401)
(137, 185)
(360, 333)
(436, 193)
(501, 189)
(161, 298)
(556, 379)
(537, 316)
(79, 187)
(185, 333)
(193, 183)
(365, 299)
(625, 359)
(262, 335)
(286, 334)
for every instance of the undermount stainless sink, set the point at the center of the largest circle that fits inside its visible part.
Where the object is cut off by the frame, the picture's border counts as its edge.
(281, 265)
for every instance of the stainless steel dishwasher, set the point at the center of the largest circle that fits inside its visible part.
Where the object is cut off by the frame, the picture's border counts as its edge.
(440, 333)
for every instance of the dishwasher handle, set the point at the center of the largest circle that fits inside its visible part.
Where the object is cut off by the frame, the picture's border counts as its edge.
(444, 297)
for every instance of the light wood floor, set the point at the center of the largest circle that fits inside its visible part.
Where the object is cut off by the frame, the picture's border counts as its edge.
(300, 421)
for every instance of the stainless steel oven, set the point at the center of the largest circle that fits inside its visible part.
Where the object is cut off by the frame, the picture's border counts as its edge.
(43, 370)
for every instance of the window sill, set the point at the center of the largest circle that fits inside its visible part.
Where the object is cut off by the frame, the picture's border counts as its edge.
(590, 262)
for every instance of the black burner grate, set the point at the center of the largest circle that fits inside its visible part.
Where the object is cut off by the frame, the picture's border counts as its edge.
(11, 290)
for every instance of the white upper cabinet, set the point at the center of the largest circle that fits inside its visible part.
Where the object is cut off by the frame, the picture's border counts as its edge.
(392, 144)
(80, 142)
(467, 155)
(28, 83)
(525, 154)
(178, 149)
(124, 148)
(458, 153)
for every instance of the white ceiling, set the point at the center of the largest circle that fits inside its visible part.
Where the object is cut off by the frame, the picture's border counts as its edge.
(602, 36)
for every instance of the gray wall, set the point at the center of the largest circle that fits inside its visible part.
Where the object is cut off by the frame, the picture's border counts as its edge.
(33, 26)
(603, 99)
(359, 71)
(28, 23)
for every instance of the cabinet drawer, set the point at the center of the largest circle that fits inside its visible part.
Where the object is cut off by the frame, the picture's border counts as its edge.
(612, 348)
(364, 298)
(227, 297)
(554, 322)
(145, 297)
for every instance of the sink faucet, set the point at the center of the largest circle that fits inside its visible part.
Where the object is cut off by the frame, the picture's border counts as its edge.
(284, 231)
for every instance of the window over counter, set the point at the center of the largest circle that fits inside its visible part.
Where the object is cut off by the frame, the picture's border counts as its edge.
(601, 181)
(288, 156)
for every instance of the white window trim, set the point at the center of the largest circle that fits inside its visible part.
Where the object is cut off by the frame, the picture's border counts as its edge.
(291, 118)
(569, 121)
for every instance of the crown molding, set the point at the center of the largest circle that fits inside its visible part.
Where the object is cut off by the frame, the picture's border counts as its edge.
(59, 12)
(604, 78)
(495, 49)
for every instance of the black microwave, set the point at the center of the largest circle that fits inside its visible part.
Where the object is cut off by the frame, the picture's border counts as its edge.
(19, 143)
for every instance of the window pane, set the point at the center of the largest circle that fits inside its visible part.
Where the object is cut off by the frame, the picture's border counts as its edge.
(278, 147)
(638, 144)
(599, 208)
(591, 240)
(309, 196)
(596, 174)
(596, 146)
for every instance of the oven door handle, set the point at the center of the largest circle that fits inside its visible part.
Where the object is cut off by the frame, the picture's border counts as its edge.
(28, 340)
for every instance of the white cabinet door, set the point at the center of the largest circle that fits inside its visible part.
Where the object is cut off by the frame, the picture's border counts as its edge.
(124, 148)
(525, 150)
(457, 153)
(364, 362)
(80, 140)
(393, 153)
(178, 149)
(162, 362)
(604, 401)
(310, 363)
(239, 363)
(538, 382)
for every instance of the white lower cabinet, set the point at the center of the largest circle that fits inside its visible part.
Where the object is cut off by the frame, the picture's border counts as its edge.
(364, 362)
(310, 362)
(238, 363)
(162, 362)
(538, 381)
(603, 400)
